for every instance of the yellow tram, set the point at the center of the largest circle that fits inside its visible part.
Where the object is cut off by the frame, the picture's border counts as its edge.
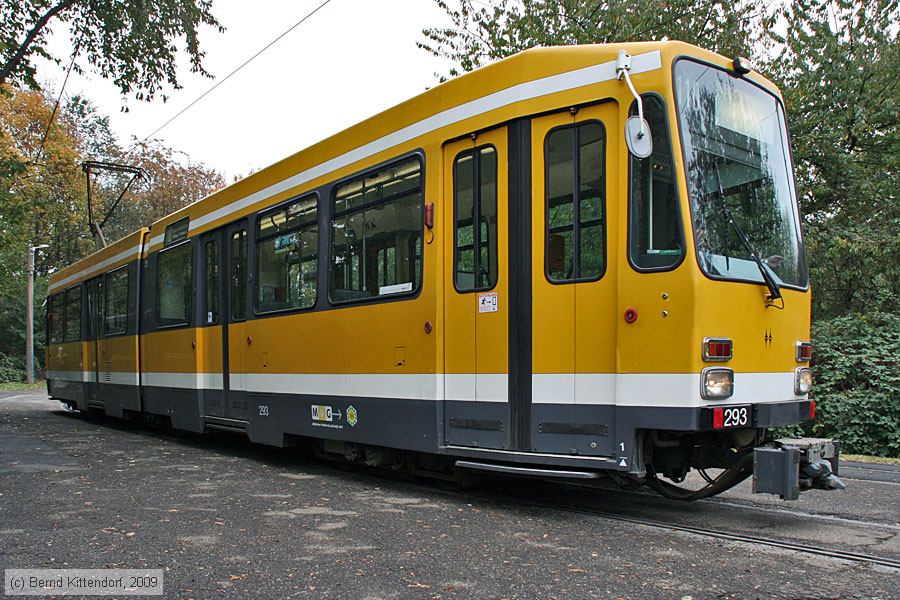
(579, 262)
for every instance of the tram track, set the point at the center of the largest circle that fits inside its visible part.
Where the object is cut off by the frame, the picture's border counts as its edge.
(746, 505)
(812, 515)
(700, 531)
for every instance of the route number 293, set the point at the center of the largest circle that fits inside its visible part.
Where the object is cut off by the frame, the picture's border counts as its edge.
(264, 410)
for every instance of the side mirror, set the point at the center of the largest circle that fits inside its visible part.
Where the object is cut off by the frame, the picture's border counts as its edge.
(637, 131)
(638, 137)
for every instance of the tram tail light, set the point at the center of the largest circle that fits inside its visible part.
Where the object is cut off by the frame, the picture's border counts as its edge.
(812, 410)
(804, 352)
(717, 349)
(716, 383)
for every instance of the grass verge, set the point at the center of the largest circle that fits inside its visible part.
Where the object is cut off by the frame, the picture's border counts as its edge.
(882, 460)
(17, 386)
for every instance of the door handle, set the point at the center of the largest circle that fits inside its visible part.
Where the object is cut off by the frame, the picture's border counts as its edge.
(249, 340)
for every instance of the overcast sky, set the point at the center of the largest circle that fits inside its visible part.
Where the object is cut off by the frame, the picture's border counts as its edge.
(351, 60)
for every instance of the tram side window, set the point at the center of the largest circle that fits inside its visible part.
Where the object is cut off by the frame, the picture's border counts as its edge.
(655, 238)
(57, 318)
(376, 234)
(287, 256)
(173, 286)
(73, 314)
(116, 302)
(475, 201)
(575, 202)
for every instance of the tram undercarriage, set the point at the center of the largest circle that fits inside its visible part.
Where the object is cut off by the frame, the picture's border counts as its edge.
(784, 467)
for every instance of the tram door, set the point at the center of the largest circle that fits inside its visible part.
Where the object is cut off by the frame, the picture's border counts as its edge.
(95, 325)
(224, 311)
(212, 332)
(476, 308)
(238, 340)
(576, 209)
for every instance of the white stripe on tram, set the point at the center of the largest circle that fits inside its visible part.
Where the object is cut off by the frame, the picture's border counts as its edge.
(656, 389)
(638, 389)
(100, 266)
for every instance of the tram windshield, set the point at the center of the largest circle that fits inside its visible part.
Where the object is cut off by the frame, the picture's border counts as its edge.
(738, 167)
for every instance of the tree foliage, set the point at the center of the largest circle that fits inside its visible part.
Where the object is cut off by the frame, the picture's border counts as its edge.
(482, 32)
(857, 382)
(43, 197)
(133, 44)
(837, 69)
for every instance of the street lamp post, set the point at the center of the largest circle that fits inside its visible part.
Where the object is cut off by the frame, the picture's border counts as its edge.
(29, 314)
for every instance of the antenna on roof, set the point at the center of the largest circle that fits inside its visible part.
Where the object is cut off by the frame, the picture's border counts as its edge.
(93, 165)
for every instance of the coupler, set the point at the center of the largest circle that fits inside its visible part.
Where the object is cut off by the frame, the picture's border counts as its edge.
(790, 466)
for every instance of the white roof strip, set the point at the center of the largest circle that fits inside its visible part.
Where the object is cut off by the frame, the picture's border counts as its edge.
(125, 254)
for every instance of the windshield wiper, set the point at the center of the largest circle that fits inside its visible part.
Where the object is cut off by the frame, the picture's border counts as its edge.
(774, 289)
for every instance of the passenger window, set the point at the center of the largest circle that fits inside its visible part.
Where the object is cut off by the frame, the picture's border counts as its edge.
(287, 256)
(116, 302)
(575, 200)
(655, 237)
(376, 233)
(475, 201)
(239, 275)
(73, 314)
(211, 260)
(57, 318)
(173, 286)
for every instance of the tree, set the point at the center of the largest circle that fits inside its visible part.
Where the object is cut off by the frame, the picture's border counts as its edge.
(837, 70)
(39, 204)
(43, 199)
(135, 44)
(172, 180)
(488, 32)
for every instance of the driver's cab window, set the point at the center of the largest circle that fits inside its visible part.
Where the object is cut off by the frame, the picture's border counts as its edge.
(655, 238)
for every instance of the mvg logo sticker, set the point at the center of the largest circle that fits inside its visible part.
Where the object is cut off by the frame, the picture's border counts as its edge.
(321, 413)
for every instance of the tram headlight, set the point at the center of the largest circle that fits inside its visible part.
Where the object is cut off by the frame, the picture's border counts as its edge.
(716, 383)
(803, 378)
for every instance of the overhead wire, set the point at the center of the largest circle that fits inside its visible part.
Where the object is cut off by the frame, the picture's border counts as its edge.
(227, 77)
(40, 153)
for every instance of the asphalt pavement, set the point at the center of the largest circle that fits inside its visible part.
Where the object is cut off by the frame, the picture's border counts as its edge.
(226, 518)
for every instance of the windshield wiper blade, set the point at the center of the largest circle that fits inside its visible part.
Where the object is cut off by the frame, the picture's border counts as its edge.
(774, 289)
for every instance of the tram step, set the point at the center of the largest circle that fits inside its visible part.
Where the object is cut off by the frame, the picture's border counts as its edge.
(529, 471)
(224, 424)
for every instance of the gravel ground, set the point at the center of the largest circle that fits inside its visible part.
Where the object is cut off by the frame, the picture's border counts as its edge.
(223, 517)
